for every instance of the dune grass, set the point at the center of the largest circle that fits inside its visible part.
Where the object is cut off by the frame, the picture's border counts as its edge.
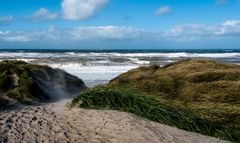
(194, 95)
(189, 81)
(221, 121)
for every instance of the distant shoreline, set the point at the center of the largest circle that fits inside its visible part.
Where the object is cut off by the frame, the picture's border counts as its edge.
(124, 50)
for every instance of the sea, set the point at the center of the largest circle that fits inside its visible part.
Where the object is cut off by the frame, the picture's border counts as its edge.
(96, 67)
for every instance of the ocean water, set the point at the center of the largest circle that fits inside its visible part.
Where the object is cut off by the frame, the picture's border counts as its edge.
(98, 67)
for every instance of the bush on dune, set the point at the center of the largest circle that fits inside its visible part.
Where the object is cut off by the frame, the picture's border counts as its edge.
(194, 95)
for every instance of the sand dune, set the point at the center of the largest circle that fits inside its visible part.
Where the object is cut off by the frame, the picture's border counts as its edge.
(51, 123)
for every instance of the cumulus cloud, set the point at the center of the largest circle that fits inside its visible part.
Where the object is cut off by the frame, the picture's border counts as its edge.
(41, 15)
(81, 9)
(163, 10)
(6, 20)
(70, 10)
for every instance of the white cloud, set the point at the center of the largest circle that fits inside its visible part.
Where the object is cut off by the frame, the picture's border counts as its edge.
(104, 32)
(163, 10)
(81, 9)
(6, 20)
(42, 14)
(182, 33)
(188, 32)
(90, 33)
(230, 28)
(191, 32)
(20, 36)
(70, 10)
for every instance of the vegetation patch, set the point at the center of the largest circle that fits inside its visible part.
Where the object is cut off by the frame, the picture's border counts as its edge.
(194, 95)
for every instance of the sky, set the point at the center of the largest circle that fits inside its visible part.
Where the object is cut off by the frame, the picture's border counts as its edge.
(120, 24)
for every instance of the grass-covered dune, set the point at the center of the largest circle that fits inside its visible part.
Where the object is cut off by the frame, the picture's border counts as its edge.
(195, 95)
(27, 83)
(188, 81)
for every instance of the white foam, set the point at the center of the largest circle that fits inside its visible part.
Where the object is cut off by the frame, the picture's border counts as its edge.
(90, 74)
(107, 55)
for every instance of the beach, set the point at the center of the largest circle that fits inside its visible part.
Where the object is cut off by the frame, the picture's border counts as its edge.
(53, 122)
(119, 71)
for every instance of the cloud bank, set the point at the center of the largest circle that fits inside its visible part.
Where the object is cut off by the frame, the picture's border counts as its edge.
(107, 35)
(192, 32)
(90, 33)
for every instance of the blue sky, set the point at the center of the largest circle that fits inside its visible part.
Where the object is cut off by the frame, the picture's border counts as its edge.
(85, 24)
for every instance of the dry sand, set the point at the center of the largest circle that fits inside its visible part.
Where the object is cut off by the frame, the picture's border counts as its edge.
(51, 123)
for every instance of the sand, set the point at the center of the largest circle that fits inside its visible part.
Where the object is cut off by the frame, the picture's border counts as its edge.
(51, 123)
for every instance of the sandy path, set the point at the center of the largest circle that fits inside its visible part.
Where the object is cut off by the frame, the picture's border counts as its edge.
(50, 123)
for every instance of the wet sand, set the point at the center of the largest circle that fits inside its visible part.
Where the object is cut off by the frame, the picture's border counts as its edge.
(51, 123)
